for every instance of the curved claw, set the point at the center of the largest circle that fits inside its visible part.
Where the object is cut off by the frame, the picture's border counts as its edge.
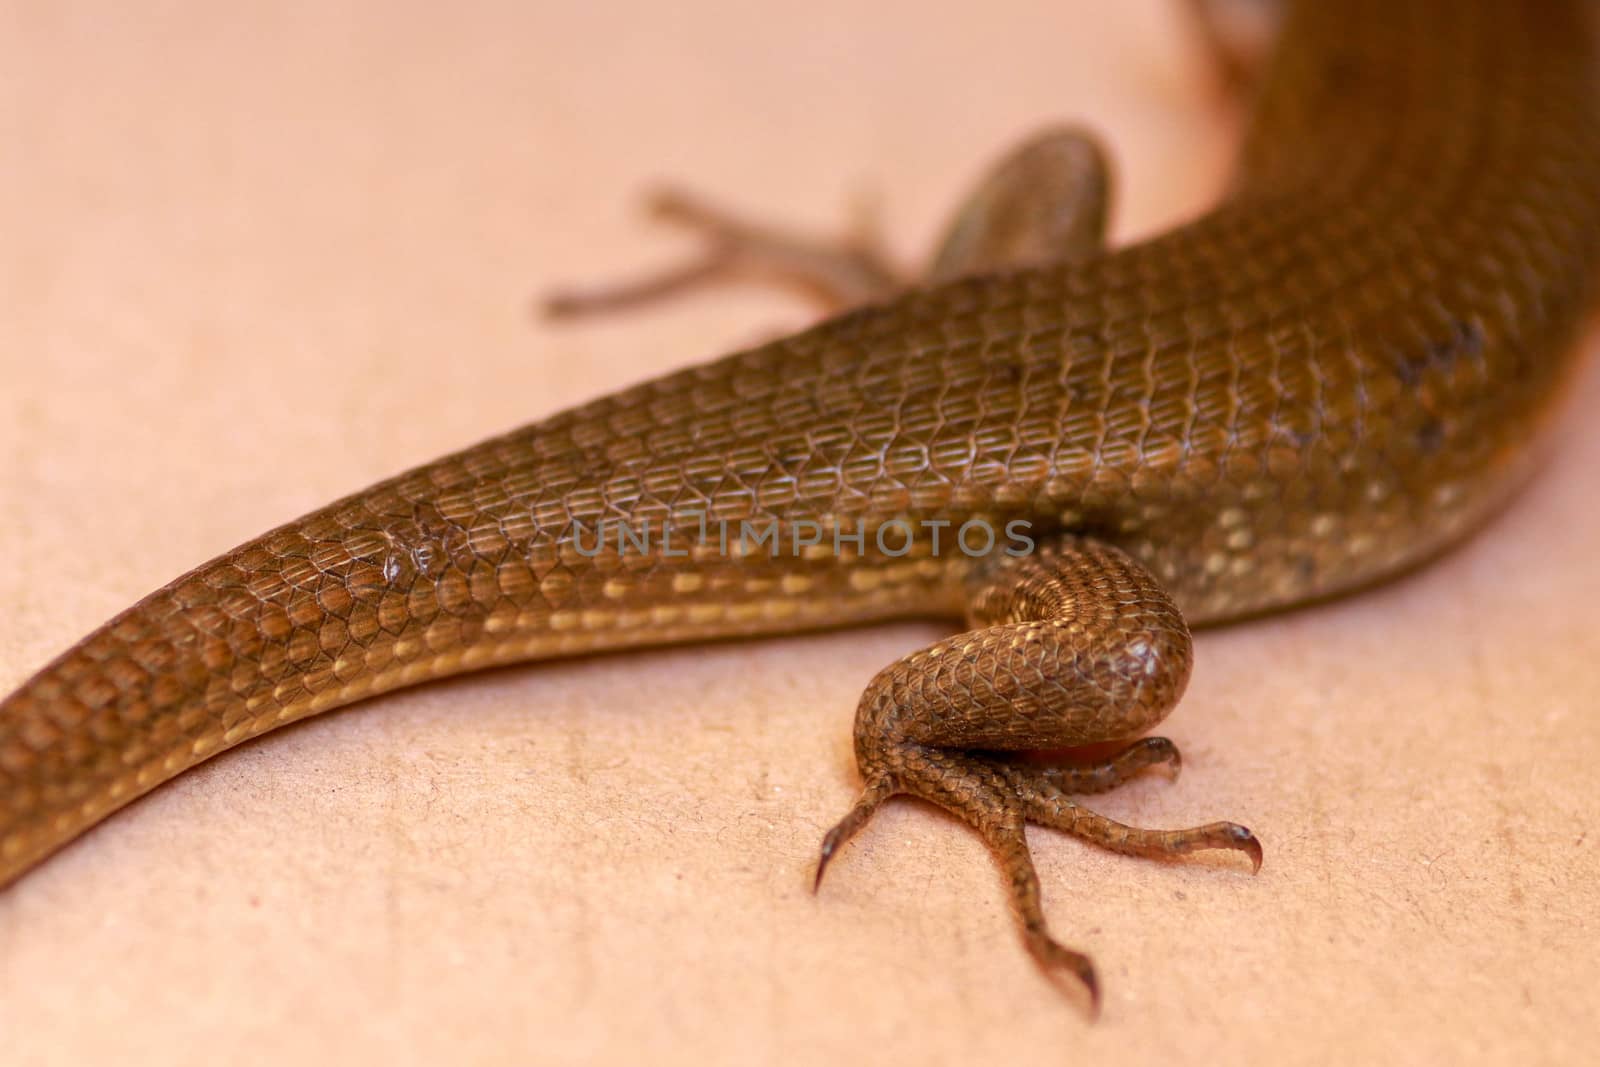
(1055, 958)
(1245, 841)
(830, 842)
(1169, 755)
(873, 796)
(1223, 835)
(1143, 754)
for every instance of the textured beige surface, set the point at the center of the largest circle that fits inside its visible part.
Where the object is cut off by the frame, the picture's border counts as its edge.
(205, 210)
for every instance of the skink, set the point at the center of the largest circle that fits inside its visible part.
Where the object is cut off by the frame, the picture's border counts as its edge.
(1331, 377)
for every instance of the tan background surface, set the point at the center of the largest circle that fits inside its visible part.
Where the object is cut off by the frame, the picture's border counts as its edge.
(255, 256)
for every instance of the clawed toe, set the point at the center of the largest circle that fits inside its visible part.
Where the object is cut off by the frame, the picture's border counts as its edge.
(835, 274)
(1048, 805)
(1056, 959)
(1244, 841)
(1099, 777)
(872, 797)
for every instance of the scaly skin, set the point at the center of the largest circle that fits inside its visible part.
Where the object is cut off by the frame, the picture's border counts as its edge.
(1331, 377)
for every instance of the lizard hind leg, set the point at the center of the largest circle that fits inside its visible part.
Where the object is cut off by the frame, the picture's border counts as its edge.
(1073, 645)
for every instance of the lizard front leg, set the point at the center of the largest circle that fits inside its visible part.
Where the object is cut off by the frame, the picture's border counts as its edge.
(1073, 645)
(1044, 202)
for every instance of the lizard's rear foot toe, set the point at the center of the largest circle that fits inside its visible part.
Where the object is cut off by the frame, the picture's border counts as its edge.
(1057, 960)
(1102, 776)
(876, 792)
(1046, 803)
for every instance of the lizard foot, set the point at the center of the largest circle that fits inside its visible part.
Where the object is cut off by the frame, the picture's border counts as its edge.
(998, 797)
(1072, 646)
(1044, 202)
(835, 274)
